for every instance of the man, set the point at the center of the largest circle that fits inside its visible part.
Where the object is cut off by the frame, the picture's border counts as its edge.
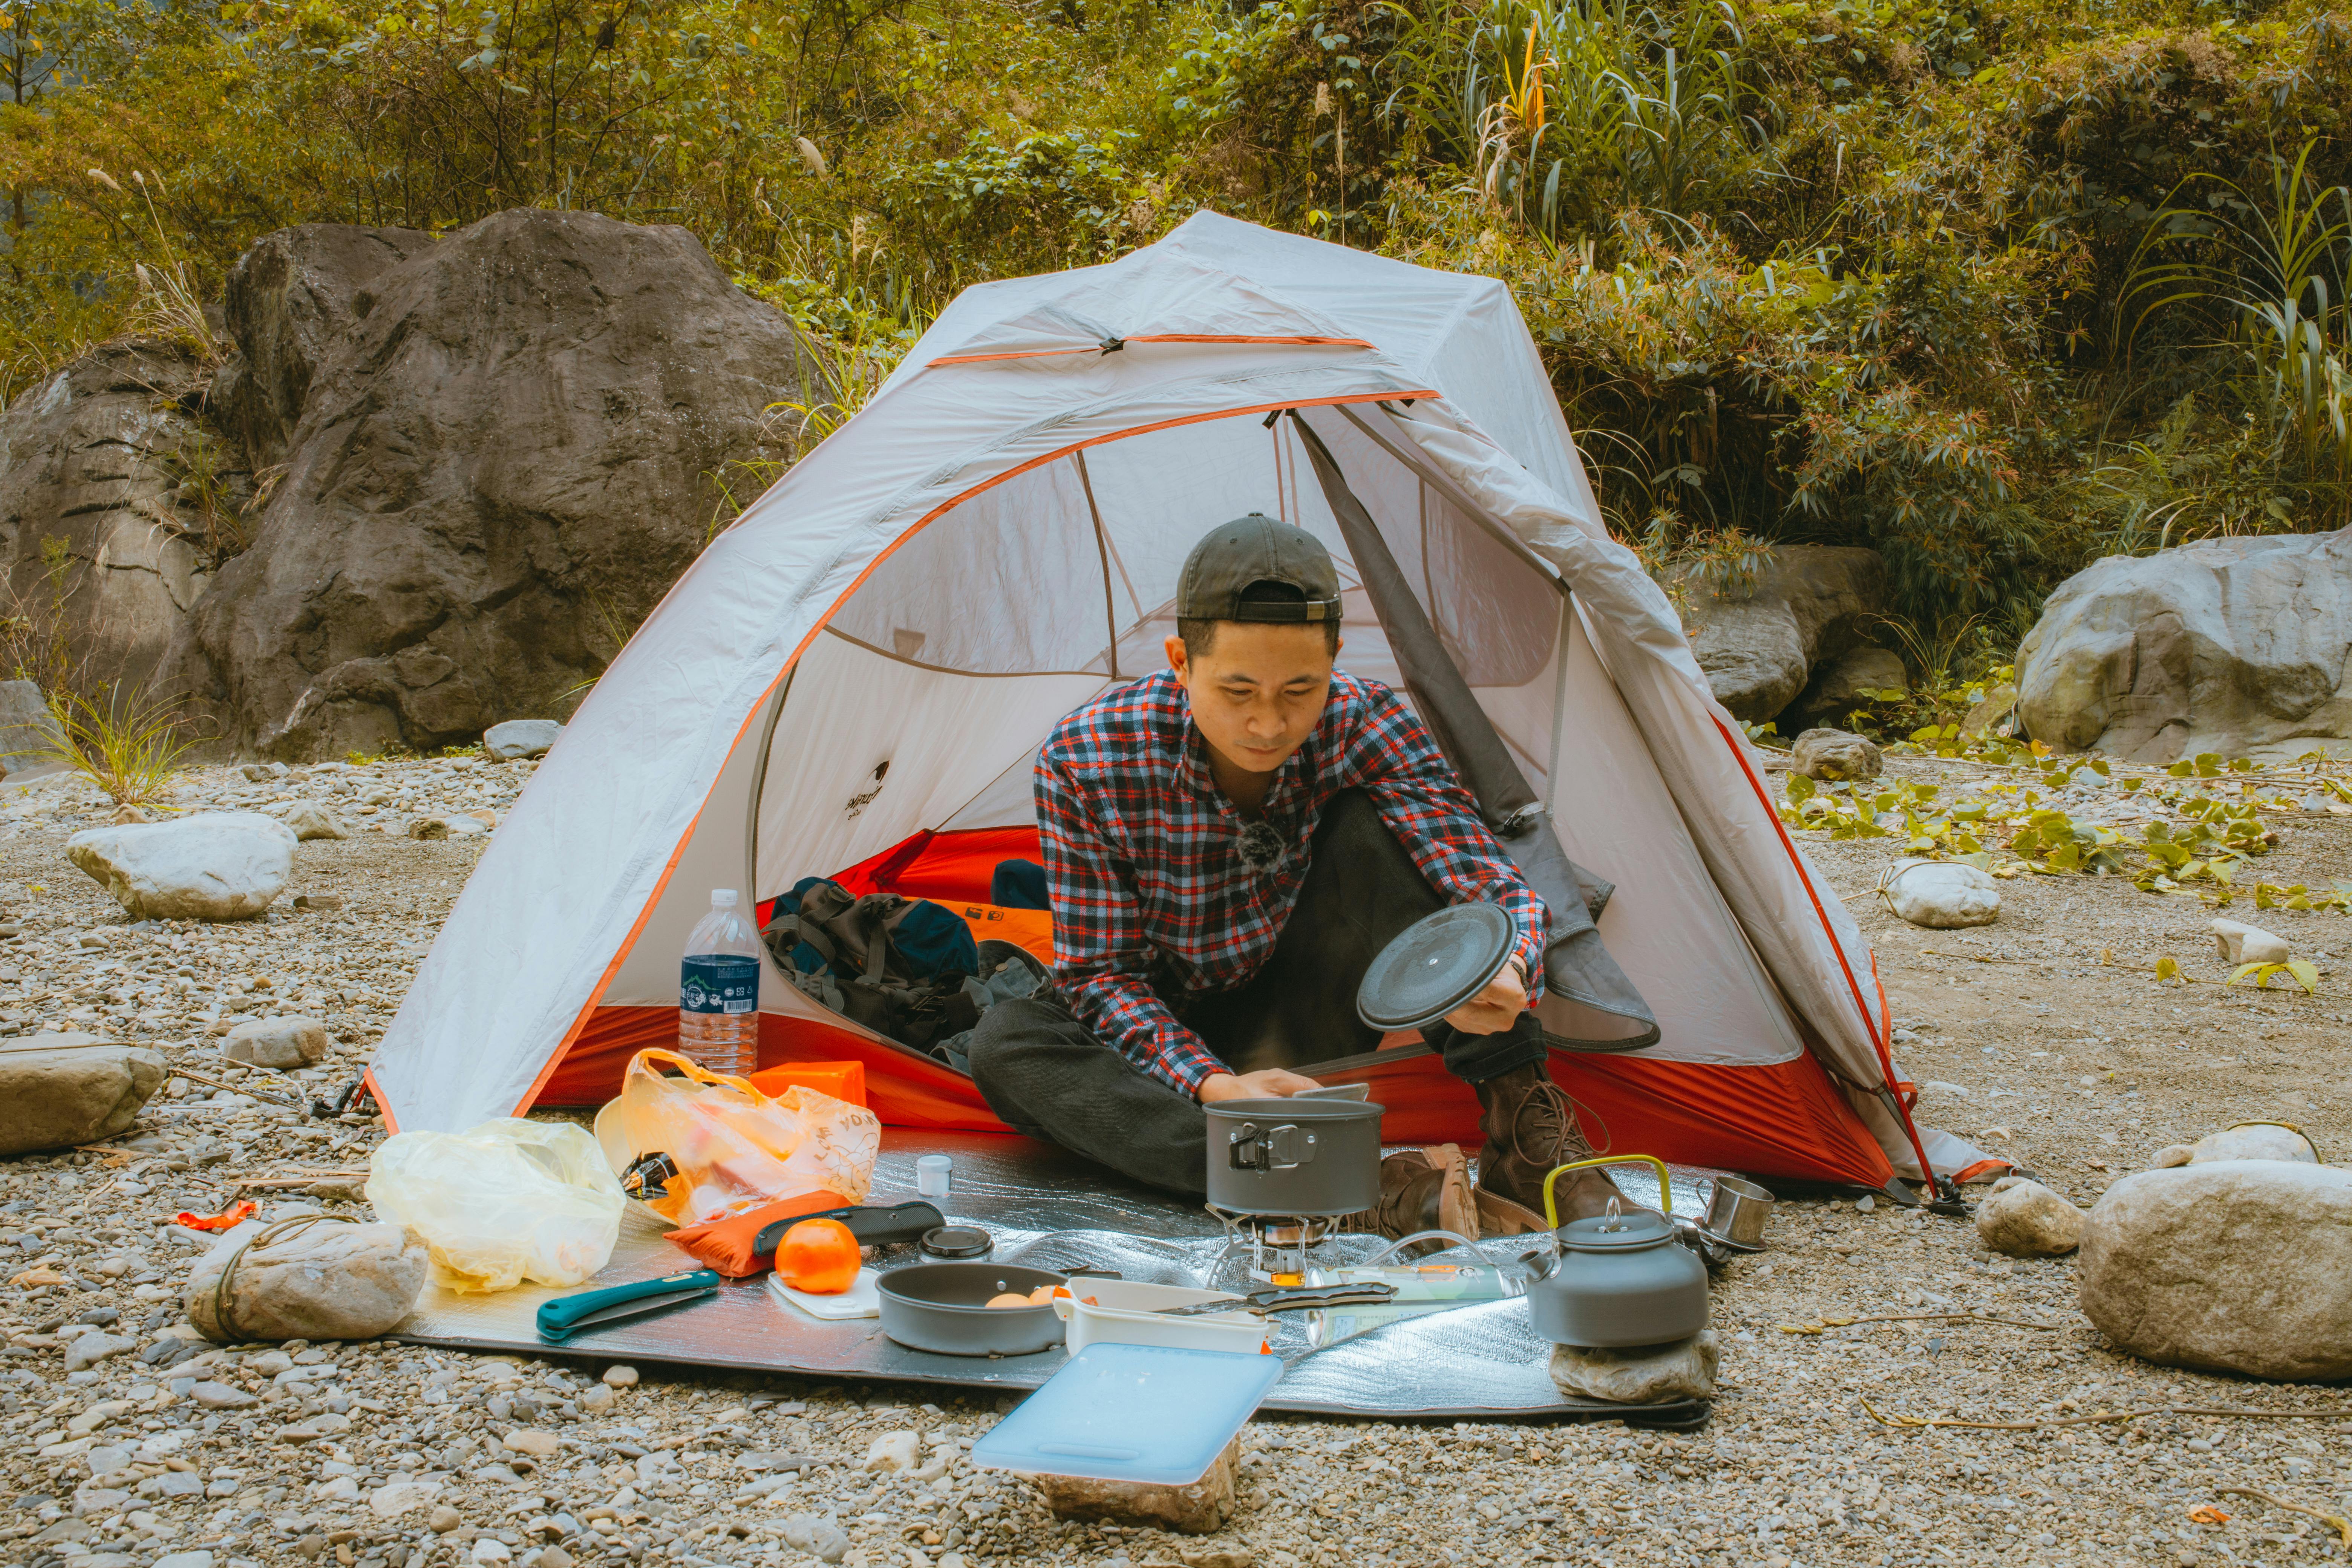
(1228, 843)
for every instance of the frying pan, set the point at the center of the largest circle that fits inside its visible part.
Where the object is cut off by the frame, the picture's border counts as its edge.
(943, 1308)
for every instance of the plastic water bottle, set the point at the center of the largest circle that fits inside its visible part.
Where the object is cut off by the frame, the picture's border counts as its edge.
(719, 990)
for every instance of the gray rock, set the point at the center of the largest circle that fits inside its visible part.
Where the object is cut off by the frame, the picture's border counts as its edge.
(1641, 1374)
(2240, 1265)
(105, 537)
(2234, 645)
(88, 1350)
(185, 1560)
(174, 1483)
(106, 1460)
(519, 738)
(1832, 755)
(1758, 646)
(816, 1535)
(1837, 685)
(1942, 895)
(2239, 943)
(324, 1281)
(281, 1043)
(291, 308)
(221, 1396)
(457, 824)
(219, 865)
(30, 737)
(58, 1090)
(612, 368)
(2171, 1154)
(1201, 1508)
(2026, 1219)
(2254, 1140)
(310, 820)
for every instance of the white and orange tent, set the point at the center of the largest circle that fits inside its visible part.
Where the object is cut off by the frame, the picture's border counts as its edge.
(853, 681)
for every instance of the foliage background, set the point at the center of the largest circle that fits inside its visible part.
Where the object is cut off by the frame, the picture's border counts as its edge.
(1995, 288)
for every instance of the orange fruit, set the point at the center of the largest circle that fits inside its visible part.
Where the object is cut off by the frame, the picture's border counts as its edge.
(818, 1256)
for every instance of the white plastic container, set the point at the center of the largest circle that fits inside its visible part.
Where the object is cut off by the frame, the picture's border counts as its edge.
(1126, 1312)
(719, 990)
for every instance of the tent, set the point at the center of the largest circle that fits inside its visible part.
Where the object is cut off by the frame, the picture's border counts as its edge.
(853, 680)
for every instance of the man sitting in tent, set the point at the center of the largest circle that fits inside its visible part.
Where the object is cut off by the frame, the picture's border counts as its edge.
(1228, 843)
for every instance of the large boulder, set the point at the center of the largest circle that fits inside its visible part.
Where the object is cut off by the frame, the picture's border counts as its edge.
(2234, 645)
(291, 303)
(1840, 685)
(2240, 1265)
(514, 450)
(219, 865)
(1759, 645)
(58, 1090)
(30, 736)
(115, 504)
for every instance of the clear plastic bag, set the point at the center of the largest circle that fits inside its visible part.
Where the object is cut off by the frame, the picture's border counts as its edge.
(734, 1147)
(506, 1203)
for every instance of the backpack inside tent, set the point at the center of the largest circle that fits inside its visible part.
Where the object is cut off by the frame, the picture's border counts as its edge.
(853, 679)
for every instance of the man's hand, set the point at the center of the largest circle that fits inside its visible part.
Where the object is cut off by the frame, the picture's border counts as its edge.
(1494, 1009)
(1268, 1083)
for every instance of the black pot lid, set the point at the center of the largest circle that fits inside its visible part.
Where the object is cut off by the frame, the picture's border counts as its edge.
(1633, 1230)
(1435, 965)
(957, 1241)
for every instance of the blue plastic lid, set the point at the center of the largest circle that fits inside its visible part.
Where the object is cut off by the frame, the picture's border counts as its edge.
(1151, 1413)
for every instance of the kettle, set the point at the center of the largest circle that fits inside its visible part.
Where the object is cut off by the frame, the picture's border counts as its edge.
(1622, 1279)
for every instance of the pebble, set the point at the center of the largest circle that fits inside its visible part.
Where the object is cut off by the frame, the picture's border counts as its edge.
(221, 1396)
(620, 1377)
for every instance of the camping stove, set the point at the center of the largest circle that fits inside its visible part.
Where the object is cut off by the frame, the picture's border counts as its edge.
(1281, 1249)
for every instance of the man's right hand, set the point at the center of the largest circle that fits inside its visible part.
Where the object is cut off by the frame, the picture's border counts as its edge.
(1268, 1083)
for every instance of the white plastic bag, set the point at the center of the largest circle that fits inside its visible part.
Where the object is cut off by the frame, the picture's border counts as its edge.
(507, 1202)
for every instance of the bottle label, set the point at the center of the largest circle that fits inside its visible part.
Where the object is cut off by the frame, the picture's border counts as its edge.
(719, 983)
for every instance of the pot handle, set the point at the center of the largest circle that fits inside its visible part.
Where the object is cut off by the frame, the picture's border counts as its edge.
(1279, 1148)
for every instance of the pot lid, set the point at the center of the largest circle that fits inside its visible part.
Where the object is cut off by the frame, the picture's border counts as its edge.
(957, 1241)
(1617, 1232)
(1435, 965)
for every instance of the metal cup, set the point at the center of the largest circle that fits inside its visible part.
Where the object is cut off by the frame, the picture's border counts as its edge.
(1737, 1212)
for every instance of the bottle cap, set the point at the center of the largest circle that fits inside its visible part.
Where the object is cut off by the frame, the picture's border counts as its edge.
(722, 898)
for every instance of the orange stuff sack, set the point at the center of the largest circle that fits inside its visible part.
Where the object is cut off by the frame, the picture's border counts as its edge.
(736, 1148)
(1031, 929)
(725, 1244)
(843, 1080)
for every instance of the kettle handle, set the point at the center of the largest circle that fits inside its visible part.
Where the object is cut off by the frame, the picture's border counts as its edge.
(1665, 1192)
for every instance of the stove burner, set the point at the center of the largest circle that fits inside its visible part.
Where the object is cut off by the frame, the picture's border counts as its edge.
(1280, 1246)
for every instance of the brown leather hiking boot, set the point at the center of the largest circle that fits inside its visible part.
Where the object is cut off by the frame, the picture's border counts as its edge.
(1421, 1189)
(1530, 1127)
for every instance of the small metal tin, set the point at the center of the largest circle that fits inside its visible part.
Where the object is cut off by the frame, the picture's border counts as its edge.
(959, 1243)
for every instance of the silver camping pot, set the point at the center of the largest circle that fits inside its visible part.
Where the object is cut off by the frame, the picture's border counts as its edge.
(1293, 1158)
(1621, 1281)
(1737, 1212)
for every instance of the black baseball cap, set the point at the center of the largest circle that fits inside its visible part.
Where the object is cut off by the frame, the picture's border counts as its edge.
(1238, 555)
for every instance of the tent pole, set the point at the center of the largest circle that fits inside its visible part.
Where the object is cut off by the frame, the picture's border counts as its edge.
(1102, 548)
(1559, 705)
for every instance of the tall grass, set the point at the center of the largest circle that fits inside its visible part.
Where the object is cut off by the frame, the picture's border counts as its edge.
(2268, 268)
(133, 747)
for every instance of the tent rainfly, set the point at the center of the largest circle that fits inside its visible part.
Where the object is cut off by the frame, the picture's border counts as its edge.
(854, 678)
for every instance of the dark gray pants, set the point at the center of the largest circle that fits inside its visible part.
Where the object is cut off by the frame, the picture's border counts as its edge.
(1042, 1071)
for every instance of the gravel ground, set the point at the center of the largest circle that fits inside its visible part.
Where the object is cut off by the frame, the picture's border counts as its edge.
(390, 1456)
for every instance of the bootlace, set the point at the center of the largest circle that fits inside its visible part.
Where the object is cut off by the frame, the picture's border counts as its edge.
(1553, 1113)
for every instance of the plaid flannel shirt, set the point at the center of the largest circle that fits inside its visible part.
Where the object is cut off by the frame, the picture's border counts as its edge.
(1145, 879)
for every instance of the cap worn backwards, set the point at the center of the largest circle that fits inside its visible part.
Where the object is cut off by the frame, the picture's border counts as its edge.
(1248, 551)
